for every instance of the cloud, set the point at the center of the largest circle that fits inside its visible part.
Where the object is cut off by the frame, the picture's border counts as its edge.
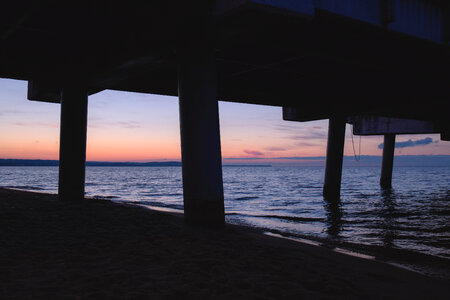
(275, 149)
(5, 112)
(129, 124)
(121, 124)
(308, 135)
(242, 158)
(302, 157)
(253, 152)
(410, 143)
(36, 124)
(285, 128)
(306, 144)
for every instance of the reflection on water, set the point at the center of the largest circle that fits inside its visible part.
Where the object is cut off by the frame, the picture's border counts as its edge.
(414, 215)
(387, 215)
(333, 211)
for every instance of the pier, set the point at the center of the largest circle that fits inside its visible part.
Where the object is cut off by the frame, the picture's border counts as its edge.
(367, 63)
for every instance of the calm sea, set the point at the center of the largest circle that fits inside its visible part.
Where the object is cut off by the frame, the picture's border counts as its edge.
(413, 217)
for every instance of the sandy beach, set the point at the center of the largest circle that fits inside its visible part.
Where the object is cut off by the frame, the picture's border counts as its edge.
(96, 248)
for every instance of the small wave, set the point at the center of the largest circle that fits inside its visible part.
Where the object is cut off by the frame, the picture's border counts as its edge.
(232, 214)
(307, 186)
(288, 218)
(160, 194)
(158, 204)
(24, 187)
(441, 212)
(105, 197)
(292, 218)
(246, 198)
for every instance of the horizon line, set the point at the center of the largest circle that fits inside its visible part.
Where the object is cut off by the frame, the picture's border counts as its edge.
(244, 158)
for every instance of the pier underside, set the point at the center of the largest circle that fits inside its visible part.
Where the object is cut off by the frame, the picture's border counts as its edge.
(320, 61)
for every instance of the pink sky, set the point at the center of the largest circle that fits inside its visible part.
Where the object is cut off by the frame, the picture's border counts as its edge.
(139, 127)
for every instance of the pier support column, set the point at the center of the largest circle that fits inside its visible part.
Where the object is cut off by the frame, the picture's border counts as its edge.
(335, 153)
(72, 147)
(200, 134)
(388, 161)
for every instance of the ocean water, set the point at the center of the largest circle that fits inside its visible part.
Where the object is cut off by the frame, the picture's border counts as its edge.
(414, 216)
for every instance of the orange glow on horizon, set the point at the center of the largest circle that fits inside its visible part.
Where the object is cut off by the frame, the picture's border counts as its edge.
(132, 152)
(134, 149)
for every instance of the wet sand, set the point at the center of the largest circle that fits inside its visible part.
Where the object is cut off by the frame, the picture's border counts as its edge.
(96, 248)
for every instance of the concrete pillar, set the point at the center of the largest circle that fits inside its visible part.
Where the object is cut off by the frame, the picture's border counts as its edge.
(388, 161)
(335, 153)
(200, 134)
(72, 145)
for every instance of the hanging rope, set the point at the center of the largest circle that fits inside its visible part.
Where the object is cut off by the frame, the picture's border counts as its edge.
(357, 158)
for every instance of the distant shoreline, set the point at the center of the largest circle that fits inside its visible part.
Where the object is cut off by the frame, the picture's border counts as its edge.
(55, 163)
(314, 161)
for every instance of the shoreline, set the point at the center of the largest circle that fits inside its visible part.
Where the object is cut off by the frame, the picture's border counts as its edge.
(418, 262)
(435, 266)
(101, 248)
(421, 263)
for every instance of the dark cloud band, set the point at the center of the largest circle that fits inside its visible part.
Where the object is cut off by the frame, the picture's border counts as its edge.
(410, 143)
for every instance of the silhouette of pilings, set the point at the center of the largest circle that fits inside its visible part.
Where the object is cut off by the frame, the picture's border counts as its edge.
(72, 151)
(200, 132)
(387, 164)
(335, 155)
(199, 122)
(335, 150)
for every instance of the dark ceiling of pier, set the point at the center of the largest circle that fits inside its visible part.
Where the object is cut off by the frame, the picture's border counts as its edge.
(324, 65)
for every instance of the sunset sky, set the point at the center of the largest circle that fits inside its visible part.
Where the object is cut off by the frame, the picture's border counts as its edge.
(126, 126)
